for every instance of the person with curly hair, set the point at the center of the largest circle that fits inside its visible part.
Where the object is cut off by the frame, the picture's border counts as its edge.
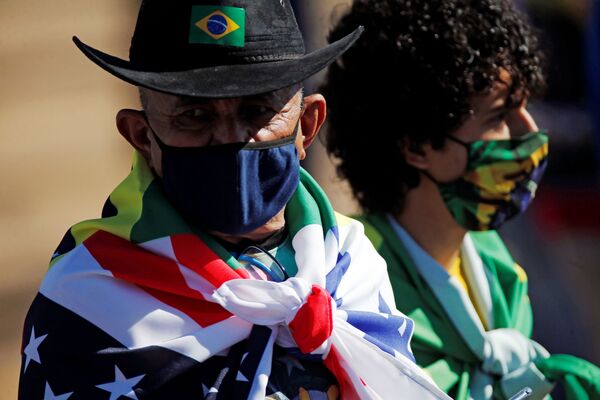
(428, 118)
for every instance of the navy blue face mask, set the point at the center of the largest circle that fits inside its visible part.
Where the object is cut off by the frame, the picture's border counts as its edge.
(232, 188)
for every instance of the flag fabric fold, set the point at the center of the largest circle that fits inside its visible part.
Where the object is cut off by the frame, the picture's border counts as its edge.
(139, 304)
(467, 359)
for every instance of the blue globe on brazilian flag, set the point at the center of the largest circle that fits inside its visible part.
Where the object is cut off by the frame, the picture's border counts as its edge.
(220, 25)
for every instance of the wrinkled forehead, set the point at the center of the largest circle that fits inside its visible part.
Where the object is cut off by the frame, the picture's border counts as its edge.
(276, 99)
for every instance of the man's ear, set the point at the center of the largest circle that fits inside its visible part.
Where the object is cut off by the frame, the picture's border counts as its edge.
(133, 126)
(416, 156)
(312, 119)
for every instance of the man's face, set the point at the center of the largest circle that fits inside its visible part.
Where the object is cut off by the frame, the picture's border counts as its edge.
(491, 120)
(195, 122)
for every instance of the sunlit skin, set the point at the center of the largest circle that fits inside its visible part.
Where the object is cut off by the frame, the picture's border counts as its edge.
(196, 122)
(425, 215)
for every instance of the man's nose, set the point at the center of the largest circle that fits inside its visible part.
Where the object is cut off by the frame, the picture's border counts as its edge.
(231, 131)
(520, 122)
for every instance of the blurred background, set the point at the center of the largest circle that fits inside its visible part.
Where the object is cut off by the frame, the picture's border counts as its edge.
(60, 155)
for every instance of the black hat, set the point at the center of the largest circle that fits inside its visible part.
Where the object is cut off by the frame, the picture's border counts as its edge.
(217, 48)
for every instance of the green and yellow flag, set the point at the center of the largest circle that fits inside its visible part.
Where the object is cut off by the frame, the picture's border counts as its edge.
(220, 25)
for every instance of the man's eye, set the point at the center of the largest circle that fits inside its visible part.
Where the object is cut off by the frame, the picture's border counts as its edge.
(196, 113)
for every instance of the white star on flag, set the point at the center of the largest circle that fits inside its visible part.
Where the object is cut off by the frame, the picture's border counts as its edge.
(240, 377)
(31, 350)
(121, 386)
(206, 390)
(49, 395)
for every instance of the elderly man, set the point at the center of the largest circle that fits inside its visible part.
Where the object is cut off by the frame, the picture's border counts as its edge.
(218, 268)
(438, 166)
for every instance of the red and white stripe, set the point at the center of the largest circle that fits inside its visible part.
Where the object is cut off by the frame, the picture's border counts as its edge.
(142, 299)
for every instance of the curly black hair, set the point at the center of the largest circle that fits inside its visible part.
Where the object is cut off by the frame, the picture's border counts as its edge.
(410, 78)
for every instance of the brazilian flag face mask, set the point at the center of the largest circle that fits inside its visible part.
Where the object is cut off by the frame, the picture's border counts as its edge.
(500, 181)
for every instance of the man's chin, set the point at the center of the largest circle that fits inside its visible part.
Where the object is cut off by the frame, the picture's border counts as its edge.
(272, 226)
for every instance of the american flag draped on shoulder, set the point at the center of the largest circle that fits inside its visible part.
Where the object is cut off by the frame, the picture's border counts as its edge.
(136, 305)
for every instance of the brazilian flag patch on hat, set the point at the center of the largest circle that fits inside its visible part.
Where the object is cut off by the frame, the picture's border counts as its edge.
(220, 25)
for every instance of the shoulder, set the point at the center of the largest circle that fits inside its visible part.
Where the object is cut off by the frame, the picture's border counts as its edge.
(349, 230)
(355, 228)
(348, 223)
(354, 237)
(373, 225)
(366, 284)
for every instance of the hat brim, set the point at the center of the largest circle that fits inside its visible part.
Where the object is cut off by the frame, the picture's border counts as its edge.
(226, 80)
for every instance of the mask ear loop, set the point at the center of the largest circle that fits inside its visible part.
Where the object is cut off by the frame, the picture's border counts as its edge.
(431, 178)
(161, 144)
(459, 141)
(466, 145)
